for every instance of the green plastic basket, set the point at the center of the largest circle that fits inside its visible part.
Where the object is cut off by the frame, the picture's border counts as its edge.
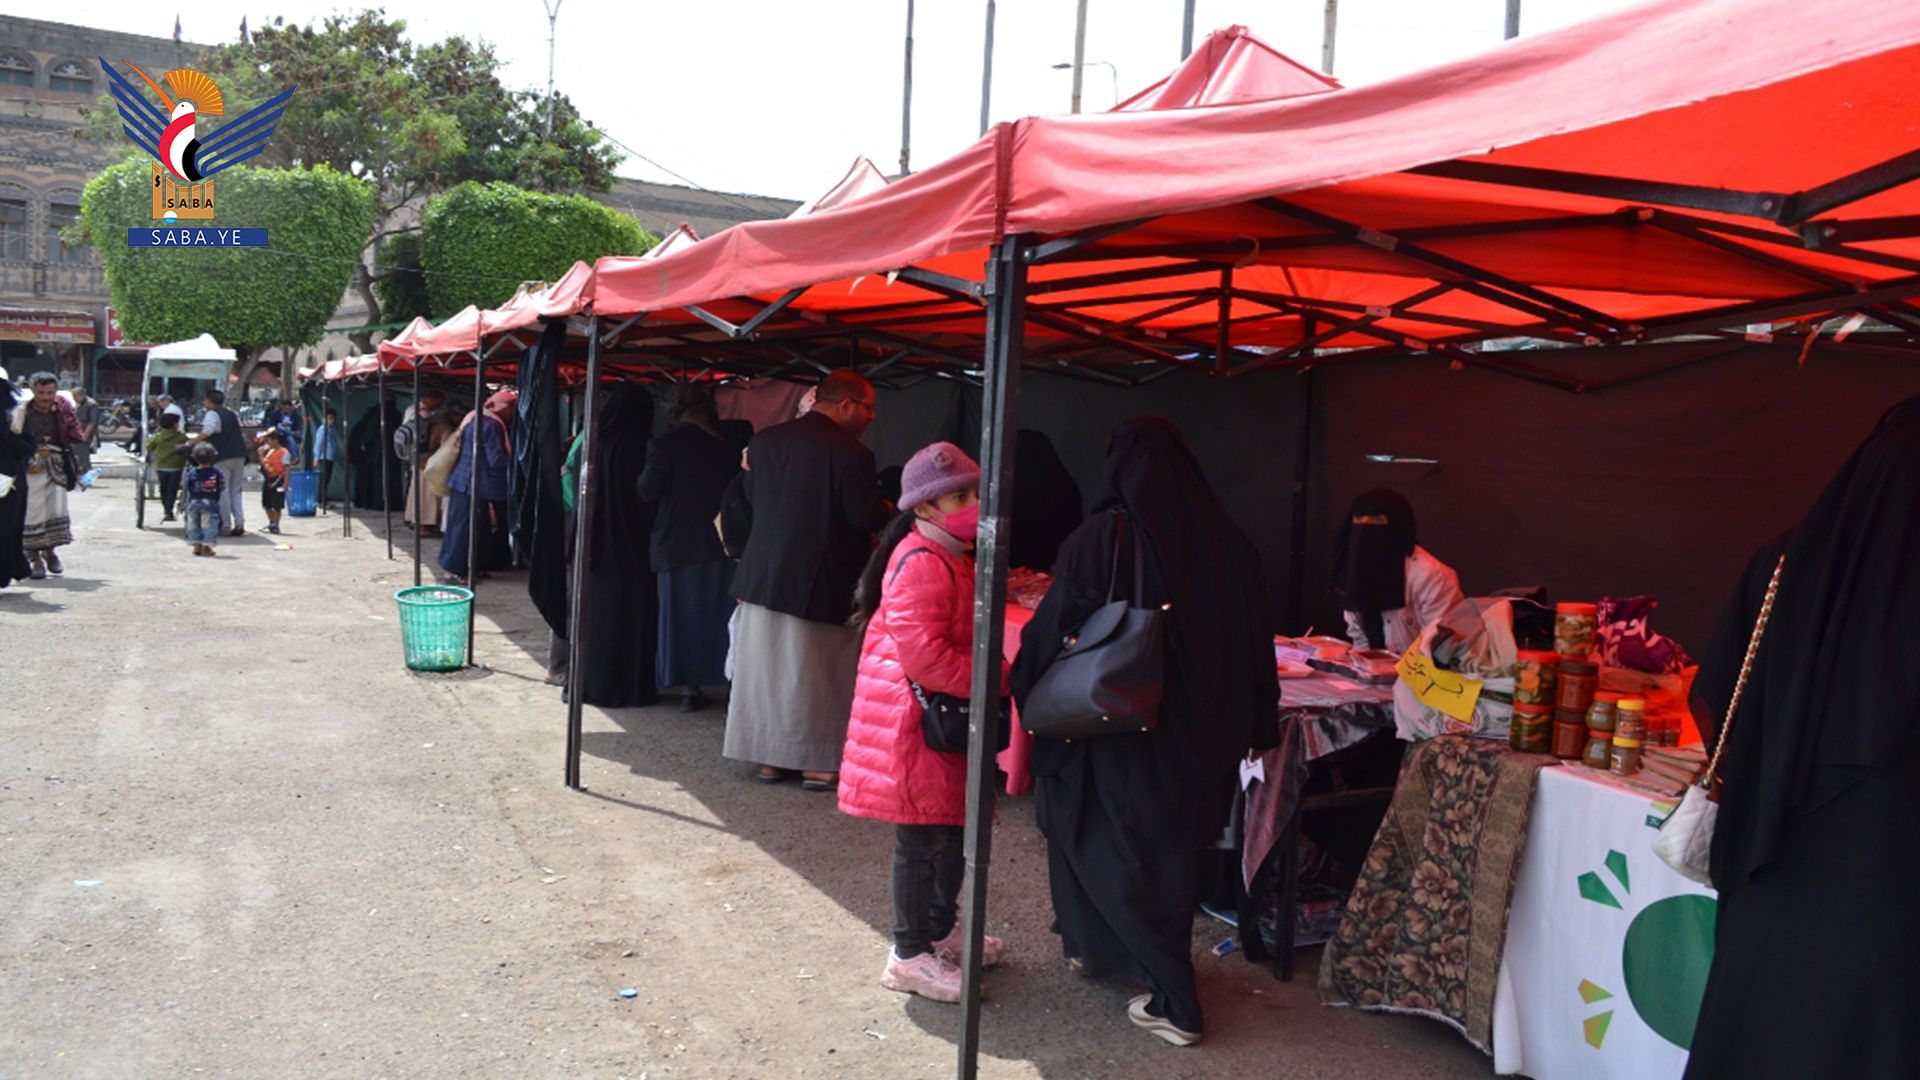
(433, 626)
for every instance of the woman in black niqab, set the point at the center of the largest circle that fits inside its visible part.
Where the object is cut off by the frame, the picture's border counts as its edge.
(621, 628)
(1126, 816)
(1370, 558)
(15, 449)
(1047, 506)
(1821, 807)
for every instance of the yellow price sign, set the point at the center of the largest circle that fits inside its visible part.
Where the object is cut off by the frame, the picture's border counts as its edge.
(1437, 688)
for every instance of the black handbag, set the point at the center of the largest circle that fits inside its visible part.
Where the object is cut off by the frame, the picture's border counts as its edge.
(945, 718)
(1110, 674)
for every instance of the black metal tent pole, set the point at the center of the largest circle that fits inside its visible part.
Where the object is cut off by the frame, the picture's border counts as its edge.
(419, 481)
(473, 495)
(346, 504)
(386, 452)
(582, 534)
(999, 419)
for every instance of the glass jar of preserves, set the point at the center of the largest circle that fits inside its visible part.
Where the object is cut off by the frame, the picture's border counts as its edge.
(1630, 719)
(1573, 629)
(1536, 678)
(1600, 714)
(1625, 756)
(1569, 736)
(1532, 729)
(1578, 680)
(1599, 752)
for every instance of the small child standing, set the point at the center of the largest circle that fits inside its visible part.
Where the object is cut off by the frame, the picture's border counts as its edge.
(915, 599)
(166, 450)
(273, 473)
(206, 485)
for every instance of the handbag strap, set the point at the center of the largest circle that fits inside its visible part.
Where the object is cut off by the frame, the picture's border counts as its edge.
(1746, 668)
(1139, 562)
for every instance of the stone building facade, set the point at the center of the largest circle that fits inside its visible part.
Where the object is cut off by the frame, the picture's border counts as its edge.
(53, 294)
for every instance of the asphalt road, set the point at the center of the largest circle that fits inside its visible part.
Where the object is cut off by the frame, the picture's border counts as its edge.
(239, 839)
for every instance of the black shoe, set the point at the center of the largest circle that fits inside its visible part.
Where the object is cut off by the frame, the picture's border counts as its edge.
(166, 519)
(692, 701)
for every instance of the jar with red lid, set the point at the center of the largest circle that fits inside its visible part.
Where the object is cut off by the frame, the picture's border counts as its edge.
(1536, 678)
(1569, 735)
(1578, 681)
(1532, 729)
(1573, 628)
(1599, 752)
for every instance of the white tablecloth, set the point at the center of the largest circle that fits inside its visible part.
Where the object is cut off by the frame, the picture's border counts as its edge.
(1607, 948)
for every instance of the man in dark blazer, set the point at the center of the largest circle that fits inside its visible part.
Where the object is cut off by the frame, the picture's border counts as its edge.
(816, 504)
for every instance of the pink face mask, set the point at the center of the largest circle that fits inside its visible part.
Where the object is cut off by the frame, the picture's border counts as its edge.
(963, 524)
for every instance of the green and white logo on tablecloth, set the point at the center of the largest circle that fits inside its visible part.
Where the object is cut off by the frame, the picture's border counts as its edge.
(1665, 953)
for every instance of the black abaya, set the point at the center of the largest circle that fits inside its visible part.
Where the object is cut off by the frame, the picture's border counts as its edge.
(364, 450)
(14, 452)
(1822, 790)
(621, 628)
(1047, 506)
(1125, 816)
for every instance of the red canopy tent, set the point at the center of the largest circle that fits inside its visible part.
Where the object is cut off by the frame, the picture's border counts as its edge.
(1232, 67)
(1599, 186)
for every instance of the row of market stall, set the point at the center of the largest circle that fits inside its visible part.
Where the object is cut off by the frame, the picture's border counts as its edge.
(1631, 197)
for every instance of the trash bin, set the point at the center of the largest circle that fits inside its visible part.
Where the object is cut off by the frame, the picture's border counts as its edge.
(303, 492)
(433, 626)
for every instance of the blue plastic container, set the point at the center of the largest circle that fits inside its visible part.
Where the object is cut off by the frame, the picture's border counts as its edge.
(303, 492)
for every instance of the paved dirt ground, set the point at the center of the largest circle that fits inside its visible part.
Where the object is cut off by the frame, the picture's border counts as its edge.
(239, 839)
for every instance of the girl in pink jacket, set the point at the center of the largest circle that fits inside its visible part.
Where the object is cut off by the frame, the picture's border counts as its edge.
(916, 600)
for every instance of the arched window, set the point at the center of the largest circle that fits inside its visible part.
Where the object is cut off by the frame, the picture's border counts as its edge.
(15, 70)
(70, 75)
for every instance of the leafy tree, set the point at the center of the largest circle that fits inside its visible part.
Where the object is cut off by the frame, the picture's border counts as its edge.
(249, 298)
(478, 242)
(408, 120)
(398, 280)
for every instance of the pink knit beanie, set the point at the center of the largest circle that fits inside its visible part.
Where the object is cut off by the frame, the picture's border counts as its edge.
(938, 469)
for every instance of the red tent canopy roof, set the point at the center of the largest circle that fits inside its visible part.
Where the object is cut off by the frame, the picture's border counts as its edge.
(1231, 67)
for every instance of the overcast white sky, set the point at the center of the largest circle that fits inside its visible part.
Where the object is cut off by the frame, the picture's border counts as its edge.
(776, 97)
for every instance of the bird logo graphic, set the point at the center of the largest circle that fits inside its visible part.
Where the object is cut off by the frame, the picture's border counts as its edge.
(174, 138)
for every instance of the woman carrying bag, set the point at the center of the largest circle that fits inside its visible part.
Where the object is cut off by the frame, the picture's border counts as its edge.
(915, 599)
(1820, 808)
(1126, 815)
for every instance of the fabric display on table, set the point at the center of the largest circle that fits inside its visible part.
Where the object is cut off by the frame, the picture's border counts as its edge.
(1474, 639)
(1424, 928)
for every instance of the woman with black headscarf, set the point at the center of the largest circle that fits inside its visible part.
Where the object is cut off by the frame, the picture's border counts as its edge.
(1821, 806)
(1046, 504)
(15, 451)
(1389, 586)
(620, 635)
(1126, 816)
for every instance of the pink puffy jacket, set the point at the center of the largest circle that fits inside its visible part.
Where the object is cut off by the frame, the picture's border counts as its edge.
(922, 629)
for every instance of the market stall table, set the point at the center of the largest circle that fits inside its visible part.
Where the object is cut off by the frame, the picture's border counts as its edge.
(1607, 948)
(1518, 900)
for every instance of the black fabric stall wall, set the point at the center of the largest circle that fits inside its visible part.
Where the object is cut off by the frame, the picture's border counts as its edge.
(1244, 431)
(1663, 485)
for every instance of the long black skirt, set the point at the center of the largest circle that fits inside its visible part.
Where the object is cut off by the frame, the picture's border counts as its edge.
(694, 609)
(493, 551)
(1814, 958)
(1123, 902)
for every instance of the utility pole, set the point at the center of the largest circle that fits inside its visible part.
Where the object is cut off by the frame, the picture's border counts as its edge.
(906, 102)
(1079, 51)
(1186, 33)
(1326, 40)
(1513, 19)
(986, 72)
(553, 18)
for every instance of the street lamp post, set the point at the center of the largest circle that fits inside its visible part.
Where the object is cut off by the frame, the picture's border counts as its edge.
(1111, 70)
(553, 18)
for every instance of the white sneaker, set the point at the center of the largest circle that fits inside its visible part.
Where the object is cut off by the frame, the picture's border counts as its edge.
(927, 975)
(991, 948)
(1159, 1026)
